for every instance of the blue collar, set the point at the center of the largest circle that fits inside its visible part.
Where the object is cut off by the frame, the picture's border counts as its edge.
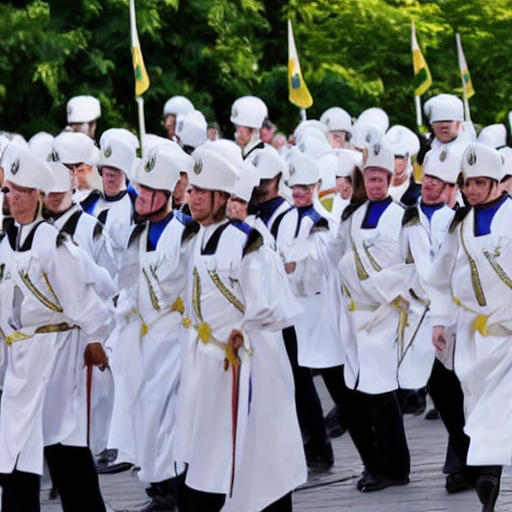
(484, 213)
(267, 209)
(430, 209)
(374, 211)
(155, 231)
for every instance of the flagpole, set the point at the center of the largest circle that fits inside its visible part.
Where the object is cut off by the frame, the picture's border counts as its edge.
(467, 115)
(142, 122)
(419, 119)
(303, 115)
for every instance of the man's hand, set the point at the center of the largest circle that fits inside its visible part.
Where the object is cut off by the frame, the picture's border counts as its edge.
(290, 267)
(439, 337)
(236, 340)
(94, 355)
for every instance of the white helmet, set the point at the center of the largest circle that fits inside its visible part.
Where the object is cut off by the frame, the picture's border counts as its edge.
(348, 159)
(161, 169)
(25, 169)
(41, 144)
(506, 155)
(482, 161)
(191, 128)
(303, 170)
(119, 133)
(444, 162)
(494, 136)
(216, 167)
(83, 109)
(150, 140)
(311, 127)
(381, 156)
(444, 107)
(73, 148)
(335, 118)
(249, 111)
(403, 142)
(178, 105)
(61, 177)
(118, 154)
(268, 163)
(373, 116)
(246, 182)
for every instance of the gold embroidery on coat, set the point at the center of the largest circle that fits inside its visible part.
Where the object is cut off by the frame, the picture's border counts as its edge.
(498, 269)
(39, 295)
(475, 278)
(225, 291)
(152, 294)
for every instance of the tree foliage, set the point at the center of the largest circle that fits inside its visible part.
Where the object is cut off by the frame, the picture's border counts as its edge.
(354, 54)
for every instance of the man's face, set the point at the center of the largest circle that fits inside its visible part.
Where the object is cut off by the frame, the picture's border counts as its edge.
(80, 175)
(88, 129)
(170, 125)
(266, 134)
(267, 190)
(22, 202)
(344, 187)
(150, 201)
(181, 189)
(400, 164)
(337, 138)
(205, 205)
(480, 190)
(113, 181)
(303, 195)
(243, 135)
(446, 131)
(432, 190)
(376, 183)
(56, 202)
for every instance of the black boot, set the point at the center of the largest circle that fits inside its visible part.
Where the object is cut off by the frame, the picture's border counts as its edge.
(163, 497)
(488, 486)
(335, 423)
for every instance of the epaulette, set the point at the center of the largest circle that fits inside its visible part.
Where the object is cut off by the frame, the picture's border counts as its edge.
(98, 230)
(411, 216)
(61, 238)
(191, 229)
(349, 210)
(320, 225)
(254, 242)
(460, 215)
(137, 230)
(102, 217)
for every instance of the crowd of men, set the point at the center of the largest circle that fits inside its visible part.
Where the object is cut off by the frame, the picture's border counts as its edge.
(165, 302)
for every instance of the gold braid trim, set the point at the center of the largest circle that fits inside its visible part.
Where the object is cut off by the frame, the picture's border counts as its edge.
(498, 269)
(225, 291)
(361, 272)
(39, 295)
(152, 294)
(374, 263)
(196, 294)
(475, 278)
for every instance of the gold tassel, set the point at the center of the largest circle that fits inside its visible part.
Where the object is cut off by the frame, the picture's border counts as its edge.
(480, 325)
(143, 329)
(178, 306)
(186, 322)
(204, 331)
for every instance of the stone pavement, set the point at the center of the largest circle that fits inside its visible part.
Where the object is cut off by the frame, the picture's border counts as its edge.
(335, 491)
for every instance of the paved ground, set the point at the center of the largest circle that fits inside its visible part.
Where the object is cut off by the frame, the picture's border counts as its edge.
(336, 492)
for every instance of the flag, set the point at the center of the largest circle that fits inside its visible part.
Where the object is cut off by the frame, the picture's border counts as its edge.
(467, 85)
(141, 75)
(422, 76)
(298, 92)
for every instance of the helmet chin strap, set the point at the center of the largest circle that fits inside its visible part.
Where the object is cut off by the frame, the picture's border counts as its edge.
(152, 213)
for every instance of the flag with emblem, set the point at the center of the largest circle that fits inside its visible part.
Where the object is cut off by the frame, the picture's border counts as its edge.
(464, 73)
(298, 92)
(422, 76)
(141, 75)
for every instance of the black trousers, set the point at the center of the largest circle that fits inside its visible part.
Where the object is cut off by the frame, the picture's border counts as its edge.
(375, 424)
(73, 473)
(307, 401)
(333, 379)
(446, 392)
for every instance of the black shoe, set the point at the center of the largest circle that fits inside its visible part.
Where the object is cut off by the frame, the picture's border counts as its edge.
(106, 456)
(370, 482)
(109, 468)
(488, 488)
(319, 463)
(334, 422)
(413, 401)
(432, 414)
(455, 482)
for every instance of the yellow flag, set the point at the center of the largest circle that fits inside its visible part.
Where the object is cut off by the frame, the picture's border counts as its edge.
(422, 76)
(298, 92)
(141, 75)
(467, 84)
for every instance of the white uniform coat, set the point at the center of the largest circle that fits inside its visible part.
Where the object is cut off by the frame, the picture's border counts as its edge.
(160, 277)
(316, 285)
(228, 290)
(471, 281)
(421, 240)
(43, 401)
(373, 276)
